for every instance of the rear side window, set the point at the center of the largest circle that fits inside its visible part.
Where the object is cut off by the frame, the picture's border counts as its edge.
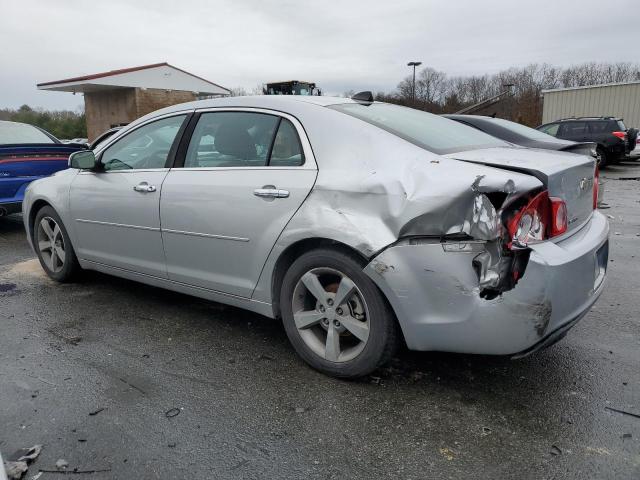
(600, 127)
(573, 128)
(287, 149)
(243, 139)
(621, 126)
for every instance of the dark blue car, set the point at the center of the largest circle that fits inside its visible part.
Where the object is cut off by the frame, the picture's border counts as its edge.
(26, 154)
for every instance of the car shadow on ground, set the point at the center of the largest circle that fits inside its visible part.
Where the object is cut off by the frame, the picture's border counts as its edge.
(407, 368)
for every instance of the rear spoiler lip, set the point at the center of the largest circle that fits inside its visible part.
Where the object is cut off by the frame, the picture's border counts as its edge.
(39, 148)
(578, 145)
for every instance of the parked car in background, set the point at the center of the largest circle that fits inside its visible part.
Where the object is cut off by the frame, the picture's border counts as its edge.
(26, 154)
(522, 135)
(608, 133)
(104, 136)
(361, 224)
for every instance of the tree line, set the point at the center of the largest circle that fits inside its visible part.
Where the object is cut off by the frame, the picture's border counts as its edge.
(64, 124)
(439, 93)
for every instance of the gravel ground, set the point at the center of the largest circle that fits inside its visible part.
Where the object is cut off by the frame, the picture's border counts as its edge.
(94, 371)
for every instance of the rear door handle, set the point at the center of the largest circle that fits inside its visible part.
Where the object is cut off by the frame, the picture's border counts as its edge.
(271, 193)
(144, 187)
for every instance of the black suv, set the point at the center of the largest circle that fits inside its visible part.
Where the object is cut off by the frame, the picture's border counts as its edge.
(609, 133)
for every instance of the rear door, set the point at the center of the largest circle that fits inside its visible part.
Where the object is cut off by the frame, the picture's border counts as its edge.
(245, 173)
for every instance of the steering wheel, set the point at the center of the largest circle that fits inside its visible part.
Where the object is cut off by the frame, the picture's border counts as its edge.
(115, 164)
(156, 159)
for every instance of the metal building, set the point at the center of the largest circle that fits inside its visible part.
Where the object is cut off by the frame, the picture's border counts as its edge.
(611, 99)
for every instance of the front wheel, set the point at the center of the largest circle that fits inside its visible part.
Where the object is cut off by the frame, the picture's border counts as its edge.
(53, 246)
(334, 315)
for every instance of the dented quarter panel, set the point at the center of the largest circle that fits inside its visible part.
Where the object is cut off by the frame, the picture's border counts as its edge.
(374, 188)
(435, 294)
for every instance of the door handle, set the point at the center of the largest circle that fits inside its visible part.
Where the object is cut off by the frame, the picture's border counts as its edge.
(271, 193)
(144, 187)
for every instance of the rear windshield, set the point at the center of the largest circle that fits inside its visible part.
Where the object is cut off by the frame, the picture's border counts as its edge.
(527, 132)
(12, 133)
(431, 132)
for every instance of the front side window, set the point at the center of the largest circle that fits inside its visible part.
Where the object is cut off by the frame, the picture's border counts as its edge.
(145, 147)
(243, 139)
(431, 132)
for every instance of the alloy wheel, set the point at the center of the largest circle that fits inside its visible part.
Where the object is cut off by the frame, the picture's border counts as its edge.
(51, 244)
(330, 314)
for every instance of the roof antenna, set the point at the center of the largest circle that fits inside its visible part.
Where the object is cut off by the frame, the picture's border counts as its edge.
(364, 97)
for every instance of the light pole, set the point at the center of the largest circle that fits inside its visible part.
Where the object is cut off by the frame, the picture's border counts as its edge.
(414, 65)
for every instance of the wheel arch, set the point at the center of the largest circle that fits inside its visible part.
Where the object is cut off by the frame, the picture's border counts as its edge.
(292, 252)
(36, 206)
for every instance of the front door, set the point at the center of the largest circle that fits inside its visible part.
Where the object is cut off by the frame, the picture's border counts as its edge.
(244, 176)
(116, 210)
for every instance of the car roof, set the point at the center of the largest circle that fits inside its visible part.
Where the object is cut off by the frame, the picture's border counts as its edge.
(582, 119)
(260, 101)
(291, 104)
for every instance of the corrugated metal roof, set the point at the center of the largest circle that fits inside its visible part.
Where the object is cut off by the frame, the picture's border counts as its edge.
(590, 86)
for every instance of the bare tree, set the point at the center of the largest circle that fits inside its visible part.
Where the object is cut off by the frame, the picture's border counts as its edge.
(435, 92)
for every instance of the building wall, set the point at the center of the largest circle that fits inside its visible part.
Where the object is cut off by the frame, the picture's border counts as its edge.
(105, 109)
(608, 100)
(152, 99)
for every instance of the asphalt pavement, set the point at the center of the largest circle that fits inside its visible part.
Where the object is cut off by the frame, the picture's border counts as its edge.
(144, 383)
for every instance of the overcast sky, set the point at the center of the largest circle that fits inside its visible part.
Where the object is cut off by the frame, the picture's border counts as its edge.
(350, 44)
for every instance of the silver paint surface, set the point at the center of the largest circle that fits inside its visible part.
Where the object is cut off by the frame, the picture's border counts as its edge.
(205, 233)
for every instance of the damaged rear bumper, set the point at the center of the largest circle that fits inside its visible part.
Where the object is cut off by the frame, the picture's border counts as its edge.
(436, 294)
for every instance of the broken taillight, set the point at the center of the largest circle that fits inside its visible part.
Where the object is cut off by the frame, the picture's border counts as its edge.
(543, 217)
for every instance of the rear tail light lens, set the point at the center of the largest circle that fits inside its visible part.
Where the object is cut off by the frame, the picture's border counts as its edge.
(529, 224)
(559, 222)
(542, 218)
(620, 135)
(596, 187)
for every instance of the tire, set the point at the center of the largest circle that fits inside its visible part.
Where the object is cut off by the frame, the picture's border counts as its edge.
(362, 326)
(601, 155)
(51, 243)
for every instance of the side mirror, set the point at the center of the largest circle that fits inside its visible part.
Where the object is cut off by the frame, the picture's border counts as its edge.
(82, 159)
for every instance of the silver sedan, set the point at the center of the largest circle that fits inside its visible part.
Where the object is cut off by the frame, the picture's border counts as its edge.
(362, 225)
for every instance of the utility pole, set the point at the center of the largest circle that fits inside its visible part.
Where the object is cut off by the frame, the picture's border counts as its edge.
(414, 65)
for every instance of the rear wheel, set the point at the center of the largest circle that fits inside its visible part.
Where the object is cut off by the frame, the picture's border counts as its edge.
(334, 315)
(53, 246)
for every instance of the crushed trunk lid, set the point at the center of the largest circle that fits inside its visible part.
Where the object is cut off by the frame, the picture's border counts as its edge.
(565, 175)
